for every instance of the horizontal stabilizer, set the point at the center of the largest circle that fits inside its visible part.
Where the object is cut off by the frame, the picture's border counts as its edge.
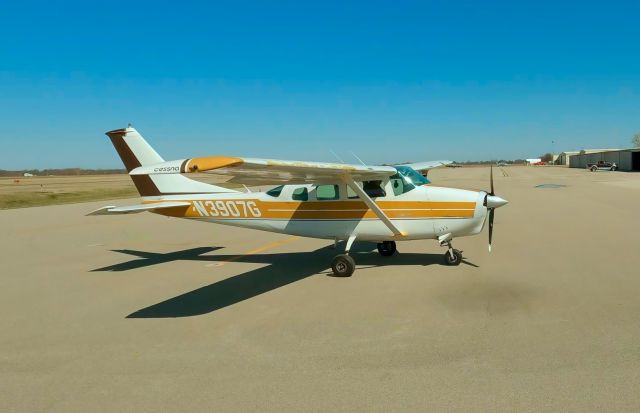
(134, 209)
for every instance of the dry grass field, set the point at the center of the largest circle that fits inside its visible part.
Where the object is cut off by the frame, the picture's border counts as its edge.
(53, 190)
(49, 190)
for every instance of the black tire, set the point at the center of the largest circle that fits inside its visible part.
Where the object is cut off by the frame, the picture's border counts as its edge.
(456, 260)
(594, 168)
(387, 248)
(613, 168)
(343, 266)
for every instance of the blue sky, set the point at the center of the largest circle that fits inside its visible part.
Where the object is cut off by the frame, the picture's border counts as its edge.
(390, 81)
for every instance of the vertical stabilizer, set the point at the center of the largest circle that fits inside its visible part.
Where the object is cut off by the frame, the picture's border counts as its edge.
(135, 152)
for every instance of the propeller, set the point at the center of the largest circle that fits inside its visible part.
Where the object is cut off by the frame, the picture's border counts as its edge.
(492, 211)
(491, 180)
(491, 201)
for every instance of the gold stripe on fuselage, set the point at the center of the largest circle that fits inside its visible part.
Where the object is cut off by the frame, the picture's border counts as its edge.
(318, 210)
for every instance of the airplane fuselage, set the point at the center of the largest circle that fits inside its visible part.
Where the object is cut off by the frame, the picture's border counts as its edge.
(426, 212)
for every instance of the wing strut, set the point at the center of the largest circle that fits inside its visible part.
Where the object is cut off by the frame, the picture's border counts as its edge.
(374, 207)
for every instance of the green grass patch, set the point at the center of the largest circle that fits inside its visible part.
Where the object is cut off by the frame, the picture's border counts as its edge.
(31, 199)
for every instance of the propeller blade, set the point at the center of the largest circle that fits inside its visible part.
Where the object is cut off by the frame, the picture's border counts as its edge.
(491, 213)
(491, 176)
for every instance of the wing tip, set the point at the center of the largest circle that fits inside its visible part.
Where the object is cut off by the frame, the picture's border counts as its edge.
(100, 211)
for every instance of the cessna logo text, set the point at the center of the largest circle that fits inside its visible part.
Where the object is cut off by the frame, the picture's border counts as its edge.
(167, 169)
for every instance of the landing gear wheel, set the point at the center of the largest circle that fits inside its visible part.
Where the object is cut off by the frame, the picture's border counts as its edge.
(387, 248)
(455, 260)
(343, 266)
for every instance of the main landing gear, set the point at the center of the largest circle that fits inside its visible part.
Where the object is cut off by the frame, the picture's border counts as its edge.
(344, 265)
(452, 256)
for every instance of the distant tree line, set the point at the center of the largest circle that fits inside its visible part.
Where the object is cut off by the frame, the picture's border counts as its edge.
(62, 172)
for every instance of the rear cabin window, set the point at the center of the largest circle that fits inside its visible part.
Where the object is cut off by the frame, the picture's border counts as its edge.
(300, 194)
(275, 192)
(327, 192)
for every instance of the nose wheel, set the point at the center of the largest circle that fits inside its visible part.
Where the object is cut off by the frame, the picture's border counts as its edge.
(453, 257)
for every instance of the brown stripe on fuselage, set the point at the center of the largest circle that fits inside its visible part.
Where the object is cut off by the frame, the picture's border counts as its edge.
(328, 210)
(183, 165)
(355, 204)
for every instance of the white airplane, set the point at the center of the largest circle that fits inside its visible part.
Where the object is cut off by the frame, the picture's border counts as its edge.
(340, 202)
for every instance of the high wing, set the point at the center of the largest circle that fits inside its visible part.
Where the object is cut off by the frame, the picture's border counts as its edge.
(134, 209)
(286, 172)
(274, 171)
(271, 171)
(423, 167)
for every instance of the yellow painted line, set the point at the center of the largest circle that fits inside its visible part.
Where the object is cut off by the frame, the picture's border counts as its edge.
(265, 247)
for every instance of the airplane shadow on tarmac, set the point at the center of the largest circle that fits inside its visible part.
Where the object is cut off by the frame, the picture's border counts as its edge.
(283, 269)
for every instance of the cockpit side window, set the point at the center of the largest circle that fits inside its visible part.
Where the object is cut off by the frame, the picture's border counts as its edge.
(275, 192)
(373, 189)
(406, 179)
(412, 176)
(398, 185)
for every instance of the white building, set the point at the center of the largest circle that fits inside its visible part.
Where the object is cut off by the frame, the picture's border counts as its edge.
(625, 159)
(563, 159)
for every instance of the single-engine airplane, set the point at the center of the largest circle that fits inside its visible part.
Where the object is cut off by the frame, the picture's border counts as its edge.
(341, 202)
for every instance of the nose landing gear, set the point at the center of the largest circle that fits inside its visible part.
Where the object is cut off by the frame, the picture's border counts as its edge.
(452, 256)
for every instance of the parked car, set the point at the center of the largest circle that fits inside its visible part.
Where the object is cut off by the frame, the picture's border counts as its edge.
(602, 166)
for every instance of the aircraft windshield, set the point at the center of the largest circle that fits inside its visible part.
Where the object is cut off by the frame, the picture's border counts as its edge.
(412, 176)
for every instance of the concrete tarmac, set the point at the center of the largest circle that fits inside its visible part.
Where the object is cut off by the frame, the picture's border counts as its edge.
(147, 313)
